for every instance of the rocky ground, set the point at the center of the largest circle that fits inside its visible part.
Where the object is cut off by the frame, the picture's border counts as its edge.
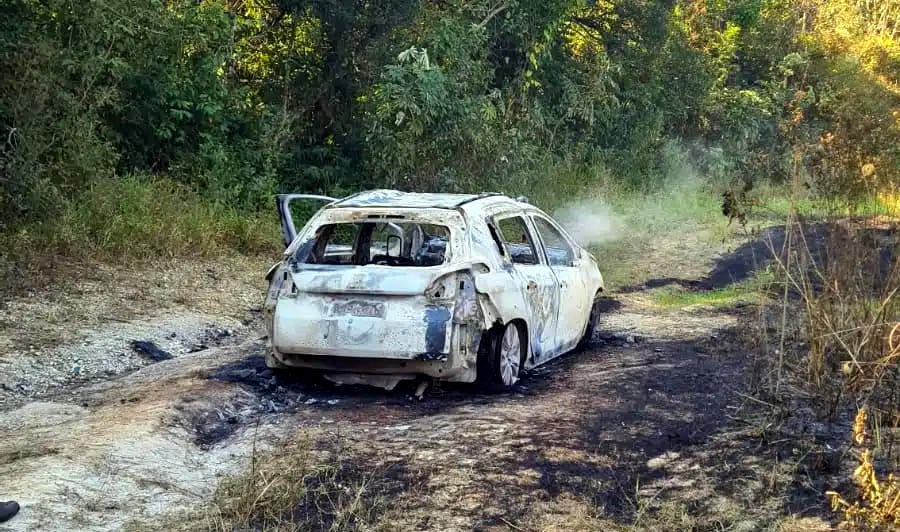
(649, 427)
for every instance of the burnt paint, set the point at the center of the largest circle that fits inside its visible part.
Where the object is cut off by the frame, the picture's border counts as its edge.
(302, 253)
(436, 320)
(440, 357)
(397, 199)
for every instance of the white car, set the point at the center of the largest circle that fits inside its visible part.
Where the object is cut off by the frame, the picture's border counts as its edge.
(383, 286)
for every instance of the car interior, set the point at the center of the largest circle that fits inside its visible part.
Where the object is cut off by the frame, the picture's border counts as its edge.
(381, 243)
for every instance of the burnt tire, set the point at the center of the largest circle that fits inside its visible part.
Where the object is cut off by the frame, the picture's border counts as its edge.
(588, 337)
(274, 364)
(500, 358)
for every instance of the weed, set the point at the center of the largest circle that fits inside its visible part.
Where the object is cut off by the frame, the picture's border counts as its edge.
(831, 338)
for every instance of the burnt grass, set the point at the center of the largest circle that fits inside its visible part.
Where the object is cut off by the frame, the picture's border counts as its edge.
(349, 494)
(657, 411)
(821, 241)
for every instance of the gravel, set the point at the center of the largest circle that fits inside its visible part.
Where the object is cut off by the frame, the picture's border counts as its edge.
(107, 351)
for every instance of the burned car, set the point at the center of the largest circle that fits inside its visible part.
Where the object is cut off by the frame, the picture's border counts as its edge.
(383, 286)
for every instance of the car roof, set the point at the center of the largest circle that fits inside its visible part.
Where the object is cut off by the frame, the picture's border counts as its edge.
(399, 199)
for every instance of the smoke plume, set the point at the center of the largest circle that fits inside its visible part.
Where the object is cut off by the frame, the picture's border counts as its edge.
(590, 222)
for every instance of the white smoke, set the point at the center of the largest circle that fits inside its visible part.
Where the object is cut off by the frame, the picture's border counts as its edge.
(590, 221)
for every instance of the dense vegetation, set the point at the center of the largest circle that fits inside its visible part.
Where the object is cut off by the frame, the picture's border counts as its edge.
(116, 116)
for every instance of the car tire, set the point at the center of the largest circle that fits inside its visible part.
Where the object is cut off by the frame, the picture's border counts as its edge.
(593, 319)
(500, 358)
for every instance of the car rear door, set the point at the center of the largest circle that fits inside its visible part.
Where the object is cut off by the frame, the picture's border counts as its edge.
(541, 288)
(575, 294)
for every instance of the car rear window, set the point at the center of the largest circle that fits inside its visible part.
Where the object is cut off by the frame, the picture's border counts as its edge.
(383, 243)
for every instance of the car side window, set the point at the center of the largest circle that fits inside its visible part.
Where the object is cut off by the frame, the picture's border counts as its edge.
(559, 252)
(517, 241)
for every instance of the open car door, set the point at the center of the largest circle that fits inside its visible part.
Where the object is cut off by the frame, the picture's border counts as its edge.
(283, 204)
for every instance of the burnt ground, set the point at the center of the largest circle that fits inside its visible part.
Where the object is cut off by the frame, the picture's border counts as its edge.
(649, 427)
(824, 245)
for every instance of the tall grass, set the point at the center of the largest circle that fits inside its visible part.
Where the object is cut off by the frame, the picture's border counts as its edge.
(135, 218)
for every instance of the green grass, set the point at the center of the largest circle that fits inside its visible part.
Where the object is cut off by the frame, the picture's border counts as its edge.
(145, 217)
(750, 290)
(643, 219)
(719, 297)
(668, 230)
(774, 201)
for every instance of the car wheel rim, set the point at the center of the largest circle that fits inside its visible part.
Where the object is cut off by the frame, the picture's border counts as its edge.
(510, 356)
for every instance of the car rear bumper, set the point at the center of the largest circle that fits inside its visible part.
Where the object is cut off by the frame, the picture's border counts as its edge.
(453, 368)
(358, 326)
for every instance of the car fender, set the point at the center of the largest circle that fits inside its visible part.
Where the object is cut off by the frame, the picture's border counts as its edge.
(502, 299)
(592, 272)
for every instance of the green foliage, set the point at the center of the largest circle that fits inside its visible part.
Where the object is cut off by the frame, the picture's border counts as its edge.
(435, 120)
(51, 99)
(236, 101)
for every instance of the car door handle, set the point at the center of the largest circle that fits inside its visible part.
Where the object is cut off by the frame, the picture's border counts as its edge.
(532, 285)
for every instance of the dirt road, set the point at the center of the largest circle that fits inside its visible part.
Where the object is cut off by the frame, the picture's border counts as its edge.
(644, 425)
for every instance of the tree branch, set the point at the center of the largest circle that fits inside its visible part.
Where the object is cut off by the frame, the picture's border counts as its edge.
(494, 12)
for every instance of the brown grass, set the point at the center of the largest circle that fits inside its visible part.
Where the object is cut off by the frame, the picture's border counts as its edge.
(309, 485)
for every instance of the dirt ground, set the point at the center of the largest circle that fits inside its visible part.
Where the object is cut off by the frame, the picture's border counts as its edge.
(647, 428)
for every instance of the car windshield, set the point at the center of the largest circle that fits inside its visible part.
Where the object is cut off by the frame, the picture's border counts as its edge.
(383, 243)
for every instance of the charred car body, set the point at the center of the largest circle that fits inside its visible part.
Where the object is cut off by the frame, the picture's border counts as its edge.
(384, 285)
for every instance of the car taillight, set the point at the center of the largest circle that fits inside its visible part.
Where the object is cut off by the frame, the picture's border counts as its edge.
(443, 287)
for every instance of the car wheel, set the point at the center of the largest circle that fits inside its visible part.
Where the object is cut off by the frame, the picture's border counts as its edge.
(500, 358)
(588, 337)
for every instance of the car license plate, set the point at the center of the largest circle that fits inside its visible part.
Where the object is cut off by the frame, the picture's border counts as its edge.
(363, 309)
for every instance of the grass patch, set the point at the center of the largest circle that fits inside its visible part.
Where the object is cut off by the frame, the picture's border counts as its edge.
(751, 290)
(719, 297)
(307, 486)
(669, 230)
(632, 228)
(769, 201)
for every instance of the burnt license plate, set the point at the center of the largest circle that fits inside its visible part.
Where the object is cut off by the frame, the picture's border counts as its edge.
(365, 309)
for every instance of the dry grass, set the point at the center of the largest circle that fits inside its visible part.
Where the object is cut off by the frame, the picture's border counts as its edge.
(831, 340)
(879, 498)
(309, 485)
(91, 294)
